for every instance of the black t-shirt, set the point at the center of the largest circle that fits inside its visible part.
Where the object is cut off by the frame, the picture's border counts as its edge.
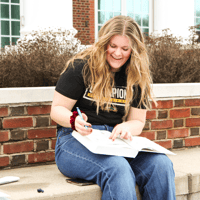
(71, 85)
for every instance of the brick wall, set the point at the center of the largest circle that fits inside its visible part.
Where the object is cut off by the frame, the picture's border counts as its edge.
(83, 20)
(28, 135)
(174, 123)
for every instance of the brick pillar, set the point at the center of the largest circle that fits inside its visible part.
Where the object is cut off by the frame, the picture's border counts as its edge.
(83, 20)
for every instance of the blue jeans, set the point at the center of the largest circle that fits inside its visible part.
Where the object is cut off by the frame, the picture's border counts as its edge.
(116, 175)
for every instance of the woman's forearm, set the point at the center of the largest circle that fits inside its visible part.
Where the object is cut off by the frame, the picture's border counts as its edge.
(61, 115)
(135, 126)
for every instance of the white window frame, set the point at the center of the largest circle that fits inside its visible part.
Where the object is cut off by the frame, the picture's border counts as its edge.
(123, 11)
(10, 20)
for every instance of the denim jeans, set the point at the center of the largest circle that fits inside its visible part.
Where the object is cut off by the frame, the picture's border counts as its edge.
(116, 175)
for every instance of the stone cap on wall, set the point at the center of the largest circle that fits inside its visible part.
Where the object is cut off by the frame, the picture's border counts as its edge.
(45, 94)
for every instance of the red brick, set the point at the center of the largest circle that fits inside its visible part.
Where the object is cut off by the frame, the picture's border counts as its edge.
(151, 114)
(192, 142)
(192, 102)
(167, 144)
(179, 103)
(39, 110)
(192, 122)
(53, 123)
(4, 161)
(195, 111)
(162, 114)
(161, 124)
(161, 135)
(4, 136)
(41, 157)
(86, 13)
(147, 125)
(180, 113)
(178, 133)
(3, 111)
(17, 111)
(18, 122)
(163, 104)
(178, 123)
(150, 135)
(18, 147)
(41, 133)
(53, 144)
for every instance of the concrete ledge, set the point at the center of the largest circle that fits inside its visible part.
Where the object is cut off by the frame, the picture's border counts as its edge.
(26, 95)
(186, 166)
(194, 196)
(194, 183)
(181, 183)
(45, 94)
(170, 90)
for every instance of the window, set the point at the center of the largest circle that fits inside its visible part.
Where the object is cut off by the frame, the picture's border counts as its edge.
(137, 9)
(197, 13)
(197, 18)
(108, 9)
(9, 22)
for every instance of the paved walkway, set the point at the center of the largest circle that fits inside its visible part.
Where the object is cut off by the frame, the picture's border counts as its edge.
(47, 177)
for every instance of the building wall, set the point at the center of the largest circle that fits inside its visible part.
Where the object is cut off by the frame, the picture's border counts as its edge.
(176, 15)
(28, 135)
(36, 14)
(165, 14)
(84, 20)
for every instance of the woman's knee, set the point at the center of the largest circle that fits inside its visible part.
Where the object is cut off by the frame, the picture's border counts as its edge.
(119, 170)
(163, 163)
(150, 164)
(161, 168)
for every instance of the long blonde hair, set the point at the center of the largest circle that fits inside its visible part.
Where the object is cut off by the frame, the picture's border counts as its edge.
(97, 73)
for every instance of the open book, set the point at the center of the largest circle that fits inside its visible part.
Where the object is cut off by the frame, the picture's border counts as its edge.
(98, 142)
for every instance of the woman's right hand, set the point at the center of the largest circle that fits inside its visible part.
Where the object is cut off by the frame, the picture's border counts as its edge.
(80, 125)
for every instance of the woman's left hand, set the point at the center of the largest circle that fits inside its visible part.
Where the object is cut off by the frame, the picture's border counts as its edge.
(122, 130)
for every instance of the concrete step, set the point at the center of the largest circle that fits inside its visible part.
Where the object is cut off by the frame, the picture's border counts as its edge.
(48, 178)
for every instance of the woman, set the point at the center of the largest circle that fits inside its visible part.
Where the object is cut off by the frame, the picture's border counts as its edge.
(110, 83)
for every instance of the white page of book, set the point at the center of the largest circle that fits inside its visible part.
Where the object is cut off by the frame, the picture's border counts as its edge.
(98, 142)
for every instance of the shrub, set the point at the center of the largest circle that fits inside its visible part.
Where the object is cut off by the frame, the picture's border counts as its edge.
(38, 58)
(173, 61)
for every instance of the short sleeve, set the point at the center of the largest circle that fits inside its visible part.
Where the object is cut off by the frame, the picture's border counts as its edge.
(137, 97)
(70, 83)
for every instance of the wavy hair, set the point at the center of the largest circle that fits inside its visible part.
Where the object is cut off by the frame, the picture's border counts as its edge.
(98, 75)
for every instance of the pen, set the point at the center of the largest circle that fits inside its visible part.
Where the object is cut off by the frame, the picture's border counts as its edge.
(79, 112)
